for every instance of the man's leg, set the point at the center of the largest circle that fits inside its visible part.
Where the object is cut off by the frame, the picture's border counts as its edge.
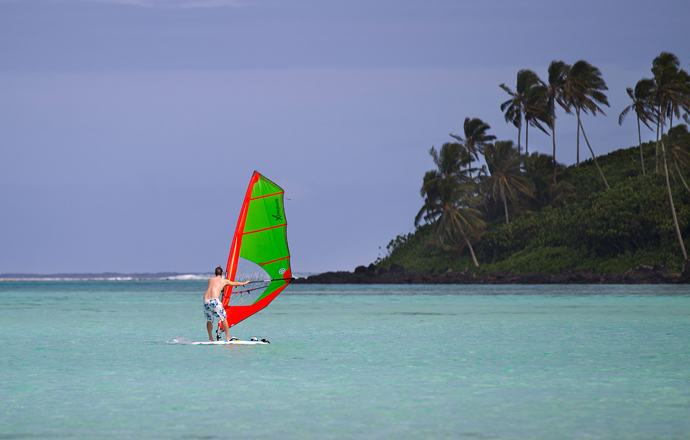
(225, 328)
(209, 327)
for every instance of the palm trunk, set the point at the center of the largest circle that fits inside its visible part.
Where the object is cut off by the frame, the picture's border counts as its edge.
(670, 126)
(593, 156)
(656, 157)
(505, 203)
(467, 242)
(553, 139)
(519, 135)
(527, 139)
(578, 136)
(670, 201)
(675, 162)
(639, 136)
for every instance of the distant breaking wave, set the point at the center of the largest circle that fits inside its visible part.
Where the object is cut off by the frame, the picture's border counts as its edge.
(108, 276)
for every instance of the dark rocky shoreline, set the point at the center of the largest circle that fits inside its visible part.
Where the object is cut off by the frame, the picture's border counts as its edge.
(642, 274)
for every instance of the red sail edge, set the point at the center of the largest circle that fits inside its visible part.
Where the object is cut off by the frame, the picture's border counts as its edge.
(234, 256)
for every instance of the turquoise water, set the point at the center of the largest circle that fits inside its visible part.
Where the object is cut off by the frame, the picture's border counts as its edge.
(90, 360)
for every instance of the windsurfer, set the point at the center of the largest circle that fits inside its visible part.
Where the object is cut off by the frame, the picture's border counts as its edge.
(212, 305)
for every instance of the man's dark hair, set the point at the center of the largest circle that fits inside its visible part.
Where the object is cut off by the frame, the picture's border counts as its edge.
(219, 271)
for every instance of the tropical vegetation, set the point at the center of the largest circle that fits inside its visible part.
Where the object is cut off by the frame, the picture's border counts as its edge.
(490, 207)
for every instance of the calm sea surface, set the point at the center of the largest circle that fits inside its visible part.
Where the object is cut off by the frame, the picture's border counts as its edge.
(91, 360)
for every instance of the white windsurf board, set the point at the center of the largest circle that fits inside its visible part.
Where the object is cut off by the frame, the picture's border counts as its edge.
(233, 342)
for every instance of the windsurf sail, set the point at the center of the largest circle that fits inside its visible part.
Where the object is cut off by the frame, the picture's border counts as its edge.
(259, 251)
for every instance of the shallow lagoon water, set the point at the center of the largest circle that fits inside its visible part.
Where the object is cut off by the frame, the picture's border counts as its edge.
(90, 360)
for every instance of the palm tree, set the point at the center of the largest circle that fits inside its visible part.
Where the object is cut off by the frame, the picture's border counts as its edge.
(680, 99)
(451, 159)
(505, 179)
(448, 161)
(536, 110)
(554, 91)
(514, 108)
(583, 90)
(670, 93)
(679, 150)
(450, 204)
(642, 106)
(538, 168)
(456, 215)
(475, 136)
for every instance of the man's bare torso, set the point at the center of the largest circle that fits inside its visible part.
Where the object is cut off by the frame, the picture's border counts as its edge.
(215, 287)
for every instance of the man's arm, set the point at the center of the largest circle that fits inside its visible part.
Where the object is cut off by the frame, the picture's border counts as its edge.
(234, 283)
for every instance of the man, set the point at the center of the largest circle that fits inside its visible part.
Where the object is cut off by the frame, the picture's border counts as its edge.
(212, 305)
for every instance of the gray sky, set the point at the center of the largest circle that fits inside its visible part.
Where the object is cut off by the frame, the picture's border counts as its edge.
(129, 129)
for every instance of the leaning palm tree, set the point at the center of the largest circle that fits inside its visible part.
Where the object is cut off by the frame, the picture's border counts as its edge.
(453, 160)
(670, 93)
(475, 136)
(643, 107)
(536, 110)
(680, 100)
(458, 216)
(514, 107)
(450, 206)
(678, 139)
(505, 179)
(449, 159)
(583, 90)
(554, 91)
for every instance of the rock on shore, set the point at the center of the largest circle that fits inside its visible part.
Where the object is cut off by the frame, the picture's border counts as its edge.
(397, 274)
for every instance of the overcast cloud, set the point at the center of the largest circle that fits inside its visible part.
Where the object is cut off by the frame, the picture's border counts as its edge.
(129, 129)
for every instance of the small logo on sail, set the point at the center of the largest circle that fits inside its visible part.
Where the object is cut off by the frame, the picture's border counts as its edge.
(282, 270)
(278, 216)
